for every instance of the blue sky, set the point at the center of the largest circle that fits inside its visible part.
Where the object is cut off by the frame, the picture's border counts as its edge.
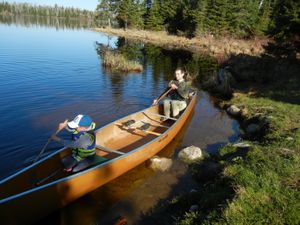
(83, 4)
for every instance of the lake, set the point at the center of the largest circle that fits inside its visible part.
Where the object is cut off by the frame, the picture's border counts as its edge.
(48, 74)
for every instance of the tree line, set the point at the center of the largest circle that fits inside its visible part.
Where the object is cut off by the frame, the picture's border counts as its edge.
(240, 18)
(37, 10)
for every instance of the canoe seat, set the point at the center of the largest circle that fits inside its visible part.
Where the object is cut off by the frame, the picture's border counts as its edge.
(162, 116)
(99, 159)
(142, 128)
(102, 148)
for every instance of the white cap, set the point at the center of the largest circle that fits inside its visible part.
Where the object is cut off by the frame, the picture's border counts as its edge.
(80, 121)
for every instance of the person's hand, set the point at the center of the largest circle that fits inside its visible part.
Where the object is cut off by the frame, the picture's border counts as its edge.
(55, 138)
(173, 86)
(63, 125)
(155, 102)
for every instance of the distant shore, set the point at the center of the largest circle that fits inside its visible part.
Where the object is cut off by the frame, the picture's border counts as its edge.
(219, 47)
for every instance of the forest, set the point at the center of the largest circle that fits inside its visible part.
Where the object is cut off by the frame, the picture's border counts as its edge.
(278, 19)
(25, 9)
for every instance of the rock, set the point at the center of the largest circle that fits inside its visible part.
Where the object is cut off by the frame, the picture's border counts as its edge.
(289, 138)
(252, 128)
(242, 145)
(193, 191)
(190, 154)
(194, 208)
(233, 110)
(244, 112)
(160, 164)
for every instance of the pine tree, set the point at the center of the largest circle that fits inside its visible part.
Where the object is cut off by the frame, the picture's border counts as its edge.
(154, 19)
(285, 28)
(130, 13)
(106, 10)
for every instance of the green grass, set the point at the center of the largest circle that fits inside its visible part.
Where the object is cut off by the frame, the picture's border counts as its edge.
(266, 180)
(117, 62)
(260, 186)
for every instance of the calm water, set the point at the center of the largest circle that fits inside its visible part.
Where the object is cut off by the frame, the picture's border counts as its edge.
(49, 74)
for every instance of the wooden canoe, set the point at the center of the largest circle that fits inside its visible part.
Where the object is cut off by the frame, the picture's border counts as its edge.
(37, 190)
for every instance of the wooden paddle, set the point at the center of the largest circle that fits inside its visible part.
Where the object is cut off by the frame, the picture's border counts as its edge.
(163, 95)
(45, 146)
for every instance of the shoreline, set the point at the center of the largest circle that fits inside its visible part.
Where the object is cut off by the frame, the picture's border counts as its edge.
(217, 47)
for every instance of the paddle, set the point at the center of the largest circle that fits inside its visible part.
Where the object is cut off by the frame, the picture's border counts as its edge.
(162, 96)
(38, 183)
(45, 146)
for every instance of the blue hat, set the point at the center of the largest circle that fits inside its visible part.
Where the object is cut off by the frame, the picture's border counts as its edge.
(80, 121)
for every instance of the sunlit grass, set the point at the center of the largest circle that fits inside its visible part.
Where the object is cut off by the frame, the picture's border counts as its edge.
(260, 186)
(266, 180)
(220, 47)
(117, 62)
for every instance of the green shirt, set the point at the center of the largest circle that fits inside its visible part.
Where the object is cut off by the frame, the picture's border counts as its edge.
(182, 92)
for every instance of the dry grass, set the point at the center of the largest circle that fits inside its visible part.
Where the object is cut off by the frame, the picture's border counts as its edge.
(219, 47)
(118, 62)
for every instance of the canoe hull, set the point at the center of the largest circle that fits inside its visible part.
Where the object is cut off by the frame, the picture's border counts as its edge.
(38, 202)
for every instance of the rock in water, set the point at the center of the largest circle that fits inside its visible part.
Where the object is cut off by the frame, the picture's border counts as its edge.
(233, 110)
(160, 164)
(190, 154)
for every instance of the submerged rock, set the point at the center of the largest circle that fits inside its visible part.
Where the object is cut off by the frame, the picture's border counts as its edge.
(190, 154)
(160, 164)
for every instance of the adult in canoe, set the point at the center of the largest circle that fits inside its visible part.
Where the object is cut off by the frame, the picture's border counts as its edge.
(82, 142)
(178, 93)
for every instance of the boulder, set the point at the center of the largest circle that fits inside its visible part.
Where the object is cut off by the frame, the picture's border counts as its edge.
(252, 128)
(244, 112)
(190, 154)
(194, 208)
(233, 110)
(160, 163)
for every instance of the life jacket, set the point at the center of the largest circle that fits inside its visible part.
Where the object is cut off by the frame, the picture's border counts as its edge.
(80, 153)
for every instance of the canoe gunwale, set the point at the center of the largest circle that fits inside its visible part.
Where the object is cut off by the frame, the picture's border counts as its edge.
(96, 167)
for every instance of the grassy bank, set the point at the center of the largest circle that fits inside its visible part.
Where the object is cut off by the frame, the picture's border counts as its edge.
(254, 185)
(220, 47)
(117, 62)
(266, 180)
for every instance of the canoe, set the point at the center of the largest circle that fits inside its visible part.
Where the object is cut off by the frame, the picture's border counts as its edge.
(33, 192)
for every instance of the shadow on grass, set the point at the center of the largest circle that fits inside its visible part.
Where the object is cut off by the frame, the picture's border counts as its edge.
(268, 76)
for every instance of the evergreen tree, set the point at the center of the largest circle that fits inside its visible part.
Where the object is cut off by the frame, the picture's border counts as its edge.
(106, 10)
(130, 13)
(154, 19)
(285, 27)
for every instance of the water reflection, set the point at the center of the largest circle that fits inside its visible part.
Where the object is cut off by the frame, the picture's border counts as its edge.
(47, 21)
(162, 61)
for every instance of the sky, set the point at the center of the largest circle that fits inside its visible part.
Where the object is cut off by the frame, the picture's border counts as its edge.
(82, 4)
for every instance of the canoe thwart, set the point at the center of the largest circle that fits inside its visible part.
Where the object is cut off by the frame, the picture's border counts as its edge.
(156, 125)
(163, 116)
(142, 128)
(102, 148)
